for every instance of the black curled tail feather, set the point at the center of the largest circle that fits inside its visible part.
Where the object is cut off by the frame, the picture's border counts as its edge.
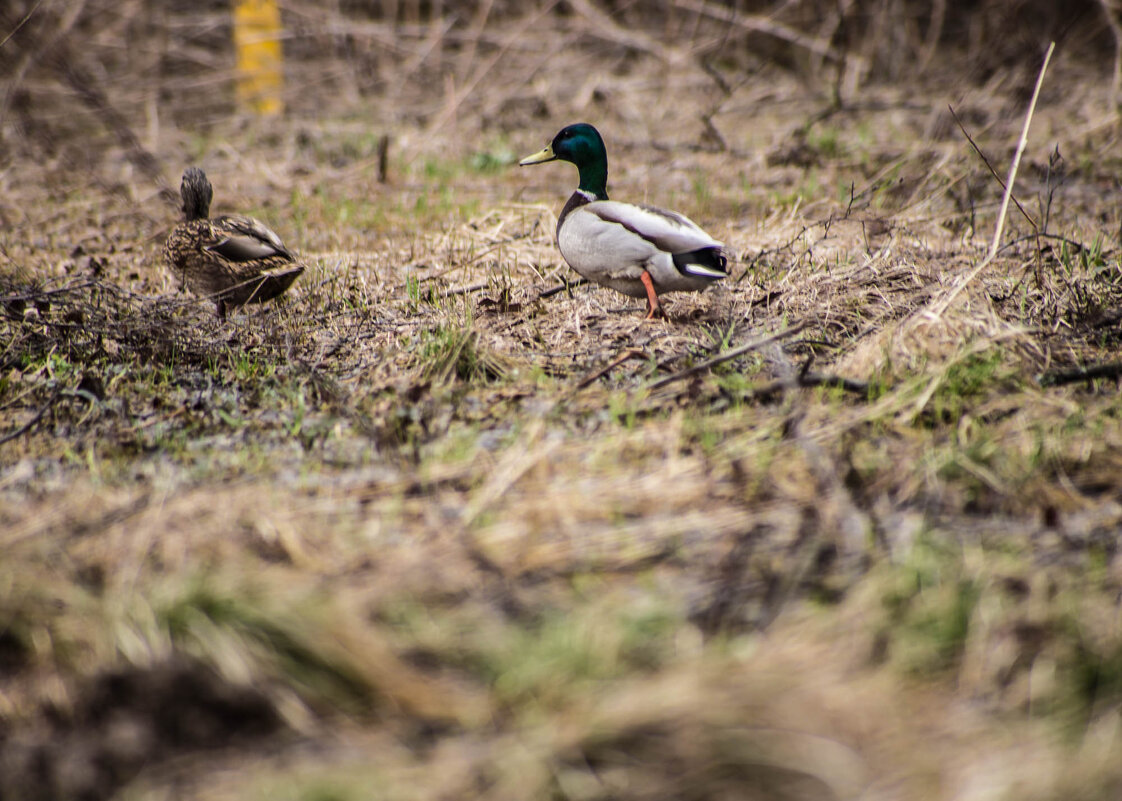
(709, 262)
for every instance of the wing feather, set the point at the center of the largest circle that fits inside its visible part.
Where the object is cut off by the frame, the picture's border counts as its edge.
(247, 239)
(668, 231)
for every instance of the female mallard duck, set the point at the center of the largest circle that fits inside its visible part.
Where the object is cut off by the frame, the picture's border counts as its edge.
(634, 249)
(233, 259)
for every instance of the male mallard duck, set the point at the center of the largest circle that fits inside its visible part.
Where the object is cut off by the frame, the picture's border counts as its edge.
(634, 249)
(233, 259)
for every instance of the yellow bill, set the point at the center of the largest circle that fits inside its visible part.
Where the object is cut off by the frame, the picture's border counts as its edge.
(542, 155)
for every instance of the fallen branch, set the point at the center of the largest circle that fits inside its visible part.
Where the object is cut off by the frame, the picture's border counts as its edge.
(810, 380)
(1055, 378)
(30, 424)
(548, 293)
(1079, 246)
(766, 299)
(755, 344)
(629, 353)
(33, 294)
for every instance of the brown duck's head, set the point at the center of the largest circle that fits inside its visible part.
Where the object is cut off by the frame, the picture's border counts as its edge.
(197, 194)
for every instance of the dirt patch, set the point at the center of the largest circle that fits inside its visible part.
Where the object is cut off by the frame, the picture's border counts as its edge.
(125, 720)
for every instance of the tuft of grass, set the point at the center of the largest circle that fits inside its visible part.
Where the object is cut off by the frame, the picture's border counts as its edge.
(967, 379)
(243, 635)
(455, 354)
(930, 607)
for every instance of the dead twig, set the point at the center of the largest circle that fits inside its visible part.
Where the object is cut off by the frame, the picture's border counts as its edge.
(762, 24)
(30, 424)
(38, 294)
(462, 290)
(808, 379)
(549, 293)
(764, 300)
(1056, 378)
(602, 26)
(1063, 240)
(989, 166)
(1021, 144)
(629, 353)
(755, 344)
(21, 23)
(937, 311)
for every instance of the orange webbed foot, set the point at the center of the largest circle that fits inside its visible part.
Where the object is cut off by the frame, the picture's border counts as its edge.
(654, 308)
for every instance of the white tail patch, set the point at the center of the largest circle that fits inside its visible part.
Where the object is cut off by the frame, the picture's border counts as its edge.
(701, 271)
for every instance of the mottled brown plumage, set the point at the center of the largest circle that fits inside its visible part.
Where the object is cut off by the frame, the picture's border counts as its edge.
(232, 259)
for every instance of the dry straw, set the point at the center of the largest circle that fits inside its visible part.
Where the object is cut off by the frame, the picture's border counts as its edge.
(943, 304)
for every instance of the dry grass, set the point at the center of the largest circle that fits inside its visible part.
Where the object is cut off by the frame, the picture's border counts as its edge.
(424, 529)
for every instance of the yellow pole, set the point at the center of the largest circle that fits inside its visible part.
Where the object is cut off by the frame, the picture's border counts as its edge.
(257, 39)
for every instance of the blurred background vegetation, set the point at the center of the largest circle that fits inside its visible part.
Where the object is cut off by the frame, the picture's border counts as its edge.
(161, 63)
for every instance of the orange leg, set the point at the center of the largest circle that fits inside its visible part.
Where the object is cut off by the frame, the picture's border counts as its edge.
(654, 308)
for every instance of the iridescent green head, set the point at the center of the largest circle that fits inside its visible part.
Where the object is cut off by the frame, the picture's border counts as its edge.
(579, 144)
